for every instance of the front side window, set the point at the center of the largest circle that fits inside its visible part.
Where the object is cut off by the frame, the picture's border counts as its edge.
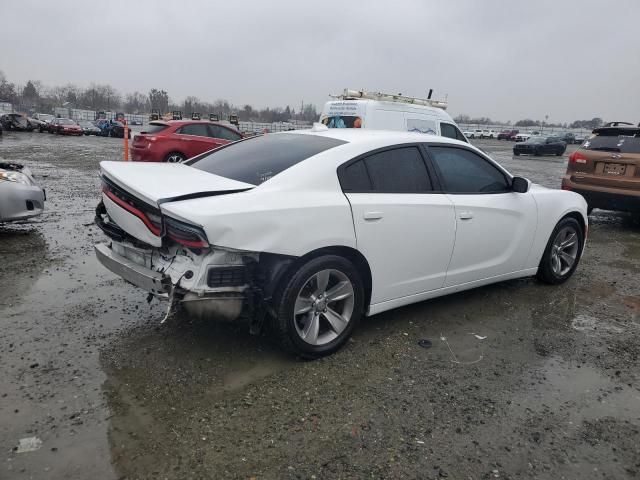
(463, 171)
(450, 131)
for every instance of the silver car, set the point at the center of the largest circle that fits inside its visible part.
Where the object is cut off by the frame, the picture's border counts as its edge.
(20, 197)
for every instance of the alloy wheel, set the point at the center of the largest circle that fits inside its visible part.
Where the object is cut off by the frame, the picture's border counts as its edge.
(324, 306)
(564, 251)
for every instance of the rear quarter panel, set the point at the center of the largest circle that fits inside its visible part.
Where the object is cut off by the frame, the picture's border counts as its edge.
(553, 205)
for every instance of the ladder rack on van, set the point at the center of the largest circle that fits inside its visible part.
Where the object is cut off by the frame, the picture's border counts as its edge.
(348, 94)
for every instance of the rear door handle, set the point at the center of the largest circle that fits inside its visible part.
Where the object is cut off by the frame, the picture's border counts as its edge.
(372, 215)
(466, 215)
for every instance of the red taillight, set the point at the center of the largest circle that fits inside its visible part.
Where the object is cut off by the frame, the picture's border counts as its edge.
(153, 226)
(185, 234)
(577, 157)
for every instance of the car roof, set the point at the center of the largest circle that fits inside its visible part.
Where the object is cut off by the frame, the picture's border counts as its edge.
(371, 138)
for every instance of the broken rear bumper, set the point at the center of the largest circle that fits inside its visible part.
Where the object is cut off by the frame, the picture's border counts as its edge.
(145, 278)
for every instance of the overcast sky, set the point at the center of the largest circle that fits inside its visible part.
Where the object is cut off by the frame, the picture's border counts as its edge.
(505, 60)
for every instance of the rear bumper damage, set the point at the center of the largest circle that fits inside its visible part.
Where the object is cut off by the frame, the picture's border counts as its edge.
(214, 283)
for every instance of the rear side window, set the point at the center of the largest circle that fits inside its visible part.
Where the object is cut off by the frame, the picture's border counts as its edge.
(354, 178)
(155, 128)
(198, 129)
(258, 159)
(613, 143)
(216, 131)
(463, 171)
(401, 170)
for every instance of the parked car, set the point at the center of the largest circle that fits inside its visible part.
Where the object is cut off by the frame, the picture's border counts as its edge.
(522, 137)
(20, 196)
(176, 140)
(540, 145)
(488, 134)
(580, 138)
(65, 126)
(567, 137)
(111, 128)
(89, 128)
(319, 228)
(16, 122)
(477, 133)
(43, 120)
(380, 111)
(605, 170)
(508, 134)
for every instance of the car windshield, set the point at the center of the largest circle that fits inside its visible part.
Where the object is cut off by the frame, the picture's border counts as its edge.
(85, 123)
(258, 159)
(45, 117)
(613, 143)
(66, 121)
(536, 140)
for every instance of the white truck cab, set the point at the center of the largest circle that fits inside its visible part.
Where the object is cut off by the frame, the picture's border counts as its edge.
(381, 111)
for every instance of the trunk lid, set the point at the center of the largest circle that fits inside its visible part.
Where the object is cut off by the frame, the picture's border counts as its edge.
(134, 191)
(156, 183)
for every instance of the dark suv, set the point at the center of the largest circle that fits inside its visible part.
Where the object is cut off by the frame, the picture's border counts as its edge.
(605, 170)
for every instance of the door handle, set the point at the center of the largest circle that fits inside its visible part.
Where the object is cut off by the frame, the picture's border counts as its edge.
(466, 215)
(372, 215)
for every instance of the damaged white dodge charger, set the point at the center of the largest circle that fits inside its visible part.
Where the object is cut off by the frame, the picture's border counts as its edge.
(316, 229)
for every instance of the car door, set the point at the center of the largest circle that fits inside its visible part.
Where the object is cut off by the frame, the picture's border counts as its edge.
(404, 228)
(193, 139)
(494, 225)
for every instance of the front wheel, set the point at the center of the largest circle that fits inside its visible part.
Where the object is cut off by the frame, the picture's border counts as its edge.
(563, 251)
(517, 154)
(319, 306)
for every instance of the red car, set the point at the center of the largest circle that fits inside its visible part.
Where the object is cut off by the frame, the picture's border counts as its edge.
(177, 140)
(64, 126)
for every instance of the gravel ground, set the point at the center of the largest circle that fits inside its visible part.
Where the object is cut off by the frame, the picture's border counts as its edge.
(552, 392)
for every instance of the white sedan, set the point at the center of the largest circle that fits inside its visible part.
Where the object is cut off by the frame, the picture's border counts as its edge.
(320, 228)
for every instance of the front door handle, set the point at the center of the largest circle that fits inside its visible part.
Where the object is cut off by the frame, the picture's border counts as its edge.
(466, 215)
(372, 215)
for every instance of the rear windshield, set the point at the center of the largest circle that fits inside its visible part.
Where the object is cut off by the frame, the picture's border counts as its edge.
(258, 159)
(155, 128)
(342, 121)
(613, 143)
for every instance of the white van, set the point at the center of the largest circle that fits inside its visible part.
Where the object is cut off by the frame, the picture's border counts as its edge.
(379, 111)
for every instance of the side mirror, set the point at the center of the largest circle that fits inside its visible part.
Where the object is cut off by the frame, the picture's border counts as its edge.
(520, 185)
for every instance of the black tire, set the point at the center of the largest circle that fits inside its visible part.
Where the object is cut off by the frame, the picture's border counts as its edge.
(546, 273)
(287, 294)
(517, 154)
(175, 157)
(537, 152)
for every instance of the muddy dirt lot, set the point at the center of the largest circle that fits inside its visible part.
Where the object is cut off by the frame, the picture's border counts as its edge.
(552, 392)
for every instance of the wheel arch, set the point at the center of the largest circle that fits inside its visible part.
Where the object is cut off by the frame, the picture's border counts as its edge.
(291, 264)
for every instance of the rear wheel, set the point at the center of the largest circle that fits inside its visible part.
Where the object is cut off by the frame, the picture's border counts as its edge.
(563, 251)
(175, 157)
(517, 154)
(319, 306)
(537, 152)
